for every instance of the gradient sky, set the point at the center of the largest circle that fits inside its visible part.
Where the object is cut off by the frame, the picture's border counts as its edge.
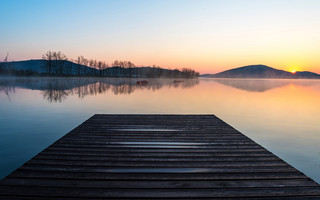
(206, 35)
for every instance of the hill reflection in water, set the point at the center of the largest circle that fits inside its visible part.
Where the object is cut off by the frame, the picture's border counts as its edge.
(262, 85)
(58, 89)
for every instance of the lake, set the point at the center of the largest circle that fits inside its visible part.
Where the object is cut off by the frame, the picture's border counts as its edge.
(281, 115)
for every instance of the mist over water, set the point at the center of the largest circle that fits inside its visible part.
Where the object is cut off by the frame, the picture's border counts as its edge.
(281, 115)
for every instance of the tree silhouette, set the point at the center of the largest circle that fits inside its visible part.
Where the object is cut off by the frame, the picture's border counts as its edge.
(56, 63)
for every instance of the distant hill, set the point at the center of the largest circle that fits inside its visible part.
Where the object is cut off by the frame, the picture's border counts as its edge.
(68, 68)
(32, 65)
(38, 67)
(262, 71)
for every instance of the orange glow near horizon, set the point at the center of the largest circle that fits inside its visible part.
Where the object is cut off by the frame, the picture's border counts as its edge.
(213, 63)
(296, 68)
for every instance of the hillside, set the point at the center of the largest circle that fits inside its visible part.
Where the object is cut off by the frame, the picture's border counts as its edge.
(261, 71)
(33, 67)
(67, 68)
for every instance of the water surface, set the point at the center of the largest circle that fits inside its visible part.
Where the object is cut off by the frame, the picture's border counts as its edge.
(281, 115)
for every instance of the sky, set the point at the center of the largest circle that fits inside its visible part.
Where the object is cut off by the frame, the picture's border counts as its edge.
(207, 35)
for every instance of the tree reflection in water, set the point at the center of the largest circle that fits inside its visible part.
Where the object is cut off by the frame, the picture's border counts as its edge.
(58, 89)
(7, 88)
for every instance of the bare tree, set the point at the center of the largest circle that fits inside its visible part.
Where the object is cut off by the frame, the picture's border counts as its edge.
(130, 66)
(115, 63)
(92, 65)
(84, 63)
(78, 64)
(99, 67)
(189, 73)
(95, 64)
(61, 58)
(48, 57)
(104, 67)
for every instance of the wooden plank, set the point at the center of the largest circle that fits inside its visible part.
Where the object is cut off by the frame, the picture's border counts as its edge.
(152, 150)
(231, 176)
(171, 164)
(156, 157)
(148, 154)
(190, 184)
(237, 198)
(158, 193)
(156, 169)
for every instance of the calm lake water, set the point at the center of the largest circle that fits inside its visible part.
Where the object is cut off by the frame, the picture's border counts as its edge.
(281, 115)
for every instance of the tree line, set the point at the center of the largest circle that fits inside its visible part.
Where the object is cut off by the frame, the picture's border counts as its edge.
(55, 63)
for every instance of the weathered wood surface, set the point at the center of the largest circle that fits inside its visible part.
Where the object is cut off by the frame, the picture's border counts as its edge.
(156, 157)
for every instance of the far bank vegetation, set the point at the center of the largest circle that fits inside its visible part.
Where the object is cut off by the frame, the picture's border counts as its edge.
(58, 64)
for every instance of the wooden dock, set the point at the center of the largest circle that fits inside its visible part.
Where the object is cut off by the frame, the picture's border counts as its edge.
(156, 157)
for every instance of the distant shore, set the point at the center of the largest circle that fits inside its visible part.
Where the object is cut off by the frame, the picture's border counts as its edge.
(57, 64)
(262, 72)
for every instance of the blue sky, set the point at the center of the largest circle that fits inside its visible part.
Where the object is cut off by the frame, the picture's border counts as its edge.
(207, 35)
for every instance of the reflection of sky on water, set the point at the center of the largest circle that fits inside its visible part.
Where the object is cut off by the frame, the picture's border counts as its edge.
(58, 89)
(281, 115)
(263, 85)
